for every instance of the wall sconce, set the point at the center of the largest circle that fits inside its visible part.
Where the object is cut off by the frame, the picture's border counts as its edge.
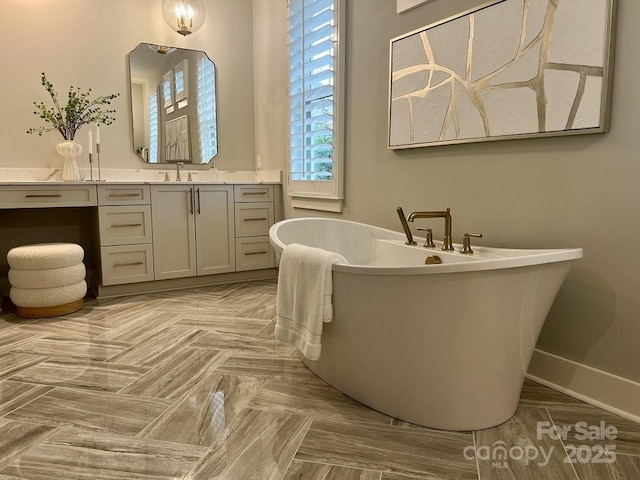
(183, 16)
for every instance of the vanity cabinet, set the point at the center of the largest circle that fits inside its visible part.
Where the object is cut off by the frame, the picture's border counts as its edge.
(193, 230)
(254, 215)
(125, 233)
(135, 234)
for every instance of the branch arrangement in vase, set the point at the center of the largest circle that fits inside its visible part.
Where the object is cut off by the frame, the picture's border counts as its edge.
(78, 111)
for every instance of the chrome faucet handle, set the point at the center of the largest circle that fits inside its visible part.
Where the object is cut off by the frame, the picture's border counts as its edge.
(190, 177)
(428, 243)
(178, 167)
(166, 175)
(466, 243)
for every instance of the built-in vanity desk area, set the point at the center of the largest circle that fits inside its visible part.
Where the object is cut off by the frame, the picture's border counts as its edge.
(142, 236)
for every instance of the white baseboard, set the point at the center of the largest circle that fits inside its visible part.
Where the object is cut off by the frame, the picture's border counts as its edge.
(605, 390)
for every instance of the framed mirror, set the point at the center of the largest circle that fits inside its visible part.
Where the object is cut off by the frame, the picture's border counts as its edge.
(173, 104)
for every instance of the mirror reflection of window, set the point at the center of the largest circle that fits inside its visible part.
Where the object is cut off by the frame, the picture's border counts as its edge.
(182, 83)
(206, 85)
(152, 152)
(167, 90)
(179, 82)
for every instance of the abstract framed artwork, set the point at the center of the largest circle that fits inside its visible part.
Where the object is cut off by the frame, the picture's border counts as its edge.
(177, 140)
(505, 70)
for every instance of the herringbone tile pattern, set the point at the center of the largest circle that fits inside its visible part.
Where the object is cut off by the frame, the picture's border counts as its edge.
(193, 385)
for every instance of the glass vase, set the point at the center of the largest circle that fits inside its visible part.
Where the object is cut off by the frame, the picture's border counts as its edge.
(69, 150)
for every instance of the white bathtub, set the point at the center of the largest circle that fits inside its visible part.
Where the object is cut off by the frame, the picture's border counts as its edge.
(445, 346)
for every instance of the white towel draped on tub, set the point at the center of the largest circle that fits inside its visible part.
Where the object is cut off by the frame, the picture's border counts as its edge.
(304, 296)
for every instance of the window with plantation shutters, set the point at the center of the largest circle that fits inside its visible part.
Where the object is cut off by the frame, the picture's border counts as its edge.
(315, 117)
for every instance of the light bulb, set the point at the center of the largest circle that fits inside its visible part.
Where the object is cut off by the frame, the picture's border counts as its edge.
(183, 16)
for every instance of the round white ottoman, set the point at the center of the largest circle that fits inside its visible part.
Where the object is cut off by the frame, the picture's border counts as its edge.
(47, 279)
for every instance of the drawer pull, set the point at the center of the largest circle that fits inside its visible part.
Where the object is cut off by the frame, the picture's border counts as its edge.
(42, 195)
(116, 195)
(122, 225)
(254, 193)
(254, 219)
(132, 264)
(256, 253)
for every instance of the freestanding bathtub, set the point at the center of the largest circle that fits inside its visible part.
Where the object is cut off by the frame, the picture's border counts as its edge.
(444, 346)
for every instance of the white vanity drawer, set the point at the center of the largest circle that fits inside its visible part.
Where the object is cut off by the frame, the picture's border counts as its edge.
(253, 193)
(124, 225)
(126, 264)
(253, 219)
(36, 196)
(253, 253)
(124, 195)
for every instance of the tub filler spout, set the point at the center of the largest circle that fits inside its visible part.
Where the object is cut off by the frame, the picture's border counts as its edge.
(448, 240)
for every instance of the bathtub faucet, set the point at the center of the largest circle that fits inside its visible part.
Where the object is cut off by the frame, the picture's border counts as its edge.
(448, 241)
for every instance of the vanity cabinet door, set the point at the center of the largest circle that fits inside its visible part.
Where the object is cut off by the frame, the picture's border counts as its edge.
(174, 239)
(45, 196)
(253, 253)
(253, 193)
(126, 264)
(214, 229)
(253, 219)
(123, 194)
(192, 230)
(124, 225)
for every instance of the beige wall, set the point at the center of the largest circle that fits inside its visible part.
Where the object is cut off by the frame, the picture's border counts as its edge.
(85, 43)
(270, 77)
(579, 191)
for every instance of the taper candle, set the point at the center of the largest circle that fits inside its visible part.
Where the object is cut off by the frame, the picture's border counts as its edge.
(97, 134)
(90, 142)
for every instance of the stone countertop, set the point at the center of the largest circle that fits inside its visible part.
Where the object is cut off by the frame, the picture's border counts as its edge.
(52, 176)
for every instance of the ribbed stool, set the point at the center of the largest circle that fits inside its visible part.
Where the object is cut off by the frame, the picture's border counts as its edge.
(47, 279)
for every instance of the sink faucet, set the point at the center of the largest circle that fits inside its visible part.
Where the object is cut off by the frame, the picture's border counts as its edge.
(448, 241)
(178, 167)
